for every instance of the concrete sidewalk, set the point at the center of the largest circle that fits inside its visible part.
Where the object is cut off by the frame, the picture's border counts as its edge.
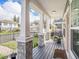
(5, 50)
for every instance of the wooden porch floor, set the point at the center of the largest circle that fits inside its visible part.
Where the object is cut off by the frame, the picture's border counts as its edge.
(46, 52)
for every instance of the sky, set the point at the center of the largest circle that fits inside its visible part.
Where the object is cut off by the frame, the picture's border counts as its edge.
(10, 8)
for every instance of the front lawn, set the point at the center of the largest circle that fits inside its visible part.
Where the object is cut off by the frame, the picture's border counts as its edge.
(11, 44)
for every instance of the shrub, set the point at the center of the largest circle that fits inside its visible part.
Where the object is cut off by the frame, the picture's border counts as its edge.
(2, 56)
(35, 45)
(52, 33)
(35, 41)
(35, 35)
(16, 30)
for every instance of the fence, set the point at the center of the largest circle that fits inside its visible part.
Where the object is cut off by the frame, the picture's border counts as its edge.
(8, 37)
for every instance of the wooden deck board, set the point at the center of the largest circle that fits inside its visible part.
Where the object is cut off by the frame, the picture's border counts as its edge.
(39, 54)
(46, 52)
(50, 56)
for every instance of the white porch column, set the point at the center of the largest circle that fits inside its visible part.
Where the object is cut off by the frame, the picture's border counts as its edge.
(41, 28)
(47, 28)
(67, 30)
(24, 43)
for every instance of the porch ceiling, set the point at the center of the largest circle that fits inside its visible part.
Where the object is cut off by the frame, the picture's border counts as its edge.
(54, 5)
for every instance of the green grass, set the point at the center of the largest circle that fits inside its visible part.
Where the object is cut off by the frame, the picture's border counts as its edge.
(2, 56)
(6, 32)
(11, 44)
(35, 42)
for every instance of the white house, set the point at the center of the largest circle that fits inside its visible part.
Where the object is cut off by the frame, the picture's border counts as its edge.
(8, 25)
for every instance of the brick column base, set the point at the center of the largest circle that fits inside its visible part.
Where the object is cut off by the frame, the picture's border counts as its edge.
(24, 50)
(29, 46)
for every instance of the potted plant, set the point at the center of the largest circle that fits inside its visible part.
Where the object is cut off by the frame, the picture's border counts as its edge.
(59, 40)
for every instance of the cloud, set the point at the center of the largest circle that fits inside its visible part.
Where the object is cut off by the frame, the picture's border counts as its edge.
(13, 7)
(2, 13)
(33, 18)
(9, 9)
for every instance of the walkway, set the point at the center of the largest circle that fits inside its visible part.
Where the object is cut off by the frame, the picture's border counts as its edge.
(46, 52)
(5, 50)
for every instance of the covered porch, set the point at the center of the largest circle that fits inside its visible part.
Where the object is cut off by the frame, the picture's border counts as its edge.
(48, 11)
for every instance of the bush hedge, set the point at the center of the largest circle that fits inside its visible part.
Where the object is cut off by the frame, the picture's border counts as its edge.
(2, 56)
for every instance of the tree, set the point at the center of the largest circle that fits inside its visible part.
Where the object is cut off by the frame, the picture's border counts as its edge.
(16, 20)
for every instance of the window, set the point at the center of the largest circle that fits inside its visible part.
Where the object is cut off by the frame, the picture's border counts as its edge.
(75, 26)
(75, 38)
(75, 13)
